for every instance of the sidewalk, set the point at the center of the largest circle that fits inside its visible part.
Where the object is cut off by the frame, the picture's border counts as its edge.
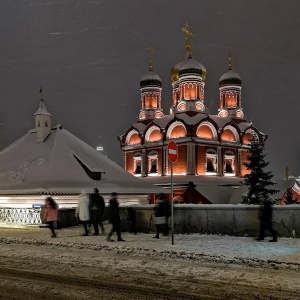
(286, 252)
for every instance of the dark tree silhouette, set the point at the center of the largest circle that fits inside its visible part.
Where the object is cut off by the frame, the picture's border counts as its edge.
(258, 180)
(289, 197)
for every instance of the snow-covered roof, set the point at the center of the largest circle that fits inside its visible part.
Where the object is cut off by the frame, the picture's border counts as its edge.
(197, 180)
(42, 109)
(60, 165)
(192, 120)
(221, 122)
(150, 76)
(230, 74)
(216, 194)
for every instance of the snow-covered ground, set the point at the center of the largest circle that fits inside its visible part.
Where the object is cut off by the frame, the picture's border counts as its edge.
(285, 252)
(79, 267)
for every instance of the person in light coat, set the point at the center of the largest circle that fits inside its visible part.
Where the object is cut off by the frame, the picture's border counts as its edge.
(83, 210)
(51, 214)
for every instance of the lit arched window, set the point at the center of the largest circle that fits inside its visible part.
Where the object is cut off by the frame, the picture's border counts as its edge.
(211, 162)
(182, 106)
(223, 114)
(133, 138)
(199, 106)
(153, 134)
(176, 130)
(206, 131)
(229, 163)
(229, 134)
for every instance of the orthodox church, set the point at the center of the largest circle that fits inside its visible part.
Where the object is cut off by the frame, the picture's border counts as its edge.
(211, 147)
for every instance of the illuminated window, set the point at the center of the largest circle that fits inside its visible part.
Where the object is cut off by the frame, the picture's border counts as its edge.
(159, 114)
(176, 130)
(142, 115)
(239, 114)
(153, 163)
(223, 114)
(230, 100)
(137, 167)
(211, 162)
(207, 131)
(182, 106)
(133, 138)
(153, 134)
(199, 106)
(229, 134)
(229, 163)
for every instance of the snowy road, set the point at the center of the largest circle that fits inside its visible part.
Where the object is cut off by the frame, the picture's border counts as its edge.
(197, 267)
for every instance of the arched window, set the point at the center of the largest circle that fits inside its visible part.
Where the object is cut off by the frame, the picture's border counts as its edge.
(153, 163)
(223, 114)
(199, 105)
(46, 123)
(137, 160)
(133, 138)
(181, 106)
(229, 163)
(229, 134)
(176, 130)
(211, 162)
(230, 100)
(207, 131)
(250, 137)
(153, 134)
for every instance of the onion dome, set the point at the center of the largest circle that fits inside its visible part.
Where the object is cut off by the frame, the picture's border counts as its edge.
(150, 79)
(230, 77)
(187, 66)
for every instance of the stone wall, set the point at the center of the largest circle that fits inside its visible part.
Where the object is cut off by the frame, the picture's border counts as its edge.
(237, 220)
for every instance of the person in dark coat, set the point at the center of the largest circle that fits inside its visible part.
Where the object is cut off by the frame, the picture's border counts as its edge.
(97, 206)
(114, 218)
(265, 217)
(131, 218)
(162, 213)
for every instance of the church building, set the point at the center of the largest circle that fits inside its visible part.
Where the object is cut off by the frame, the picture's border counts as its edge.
(211, 147)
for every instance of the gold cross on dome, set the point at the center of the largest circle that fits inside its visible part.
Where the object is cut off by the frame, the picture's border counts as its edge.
(188, 34)
(150, 51)
(229, 47)
(286, 173)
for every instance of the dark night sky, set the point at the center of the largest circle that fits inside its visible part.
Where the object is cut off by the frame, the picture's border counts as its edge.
(90, 56)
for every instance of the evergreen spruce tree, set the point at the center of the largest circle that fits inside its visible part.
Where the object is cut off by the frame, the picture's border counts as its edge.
(257, 180)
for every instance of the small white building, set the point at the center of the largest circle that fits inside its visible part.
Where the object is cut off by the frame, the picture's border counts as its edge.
(52, 161)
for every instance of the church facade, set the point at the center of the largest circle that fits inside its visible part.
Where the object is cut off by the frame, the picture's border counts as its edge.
(213, 146)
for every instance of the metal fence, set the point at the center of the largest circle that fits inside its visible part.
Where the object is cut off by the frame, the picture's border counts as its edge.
(20, 216)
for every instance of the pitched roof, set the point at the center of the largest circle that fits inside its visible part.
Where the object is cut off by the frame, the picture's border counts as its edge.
(62, 164)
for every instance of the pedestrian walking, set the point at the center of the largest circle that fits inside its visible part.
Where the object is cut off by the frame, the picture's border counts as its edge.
(83, 210)
(162, 213)
(265, 217)
(114, 218)
(97, 206)
(131, 218)
(51, 214)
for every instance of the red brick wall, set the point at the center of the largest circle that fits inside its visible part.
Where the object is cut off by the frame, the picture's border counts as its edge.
(200, 160)
(129, 162)
(180, 166)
